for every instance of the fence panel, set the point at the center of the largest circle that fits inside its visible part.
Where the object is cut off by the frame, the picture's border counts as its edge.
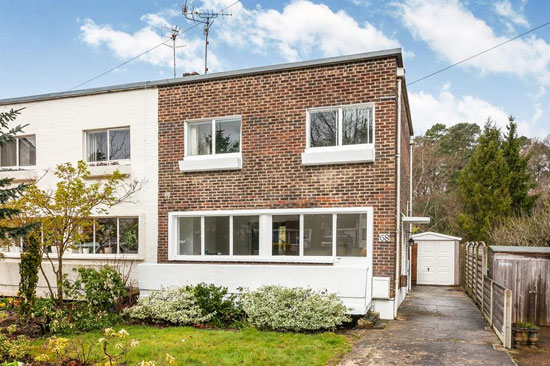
(492, 299)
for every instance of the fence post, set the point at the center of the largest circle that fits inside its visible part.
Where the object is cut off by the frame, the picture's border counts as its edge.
(491, 304)
(507, 318)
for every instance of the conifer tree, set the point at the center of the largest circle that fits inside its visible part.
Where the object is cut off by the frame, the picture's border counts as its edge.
(8, 193)
(484, 186)
(520, 180)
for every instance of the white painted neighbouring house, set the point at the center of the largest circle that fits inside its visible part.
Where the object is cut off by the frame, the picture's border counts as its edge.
(115, 127)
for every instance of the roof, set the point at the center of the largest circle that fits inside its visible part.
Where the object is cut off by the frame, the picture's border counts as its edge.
(396, 52)
(430, 235)
(517, 249)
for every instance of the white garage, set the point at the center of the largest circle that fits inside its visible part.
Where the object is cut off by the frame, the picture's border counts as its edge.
(436, 259)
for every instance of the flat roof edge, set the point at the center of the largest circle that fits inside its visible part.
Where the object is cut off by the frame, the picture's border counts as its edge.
(396, 52)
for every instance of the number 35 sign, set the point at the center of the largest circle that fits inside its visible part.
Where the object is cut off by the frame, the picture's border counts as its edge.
(384, 237)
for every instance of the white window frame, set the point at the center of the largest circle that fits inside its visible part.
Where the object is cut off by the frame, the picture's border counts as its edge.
(340, 109)
(213, 161)
(108, 130)
(339, 154)
(17, 166)
(265, 236)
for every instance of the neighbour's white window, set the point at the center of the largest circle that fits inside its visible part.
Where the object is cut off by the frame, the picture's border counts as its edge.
(213, 136)
(108, 145)
(288, 234)
(339, 126)
(19, 152)
(109, 235)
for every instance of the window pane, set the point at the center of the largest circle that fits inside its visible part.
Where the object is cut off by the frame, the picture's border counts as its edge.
(357, 126)
(318, 234)
(97, 146)
(200, 138)
(228, 136)
(189, 236)
(105, 235)
(323, 127)
(119, 144)
(86, 244)
(246, 235)
(8, 154)
(286, 234)
(27, 151)
(216, 235)
(352, 235)
(128, 234)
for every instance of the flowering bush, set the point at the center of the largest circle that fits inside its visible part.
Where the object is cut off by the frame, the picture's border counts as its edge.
(14, 349)
(172, 305)
(212, 299)
(293, 309)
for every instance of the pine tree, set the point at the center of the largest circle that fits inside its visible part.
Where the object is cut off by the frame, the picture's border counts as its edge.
(520, 180)
(484, 186)
(7, 192)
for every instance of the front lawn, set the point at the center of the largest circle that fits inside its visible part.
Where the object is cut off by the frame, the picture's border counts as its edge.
(192, 346)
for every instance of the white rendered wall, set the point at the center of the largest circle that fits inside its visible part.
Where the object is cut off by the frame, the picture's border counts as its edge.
(59, 125)
(348, 281)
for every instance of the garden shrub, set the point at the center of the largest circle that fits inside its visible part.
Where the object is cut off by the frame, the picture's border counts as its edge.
(14, 349)
(28, 273)
(212, 299)
(293, 309)
(173, 305)
(97, 292)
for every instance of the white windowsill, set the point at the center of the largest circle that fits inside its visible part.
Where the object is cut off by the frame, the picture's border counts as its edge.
(99, 171)
(211, 162)
(251, 258)
(338, 154)
(26, 174)
(76, 256)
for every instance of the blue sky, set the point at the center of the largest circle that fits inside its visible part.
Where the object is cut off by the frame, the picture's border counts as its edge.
(50, 46)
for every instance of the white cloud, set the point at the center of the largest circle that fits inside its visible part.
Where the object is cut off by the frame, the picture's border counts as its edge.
(449, 109)
(453, 32)
(504, 9)
(126, 45)
(300, 30)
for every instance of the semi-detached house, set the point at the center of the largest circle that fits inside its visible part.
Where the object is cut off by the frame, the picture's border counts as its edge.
(295, 174)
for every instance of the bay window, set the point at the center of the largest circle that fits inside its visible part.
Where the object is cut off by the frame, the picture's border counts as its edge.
(19, 152)
(108, 145)
(278, 235)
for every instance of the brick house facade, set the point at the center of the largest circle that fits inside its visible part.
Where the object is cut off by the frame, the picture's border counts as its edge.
(272, 104)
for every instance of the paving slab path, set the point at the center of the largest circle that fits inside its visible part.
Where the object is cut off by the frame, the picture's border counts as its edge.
(435, 326)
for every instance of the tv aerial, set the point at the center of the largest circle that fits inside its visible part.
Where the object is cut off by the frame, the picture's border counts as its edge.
(206, 18)
(174, 33)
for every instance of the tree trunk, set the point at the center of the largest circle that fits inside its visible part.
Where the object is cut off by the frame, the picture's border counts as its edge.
(59, 276)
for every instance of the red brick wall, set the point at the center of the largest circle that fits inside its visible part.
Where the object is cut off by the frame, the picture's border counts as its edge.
(273, 109)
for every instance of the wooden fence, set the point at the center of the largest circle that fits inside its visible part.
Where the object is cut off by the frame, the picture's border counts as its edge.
(493, 300)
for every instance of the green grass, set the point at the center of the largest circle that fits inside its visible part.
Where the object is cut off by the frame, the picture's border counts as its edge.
(191, 346)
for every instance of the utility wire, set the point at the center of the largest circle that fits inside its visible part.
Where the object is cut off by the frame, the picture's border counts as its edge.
(143, 53)
(479, 54)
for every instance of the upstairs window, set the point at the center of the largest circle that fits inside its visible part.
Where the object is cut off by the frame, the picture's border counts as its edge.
(108, 145)
(213, 136)
(19, 152)
(339, 126)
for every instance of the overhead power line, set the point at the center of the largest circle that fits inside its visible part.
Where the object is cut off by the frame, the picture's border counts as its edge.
(478, 54)
(143, 53)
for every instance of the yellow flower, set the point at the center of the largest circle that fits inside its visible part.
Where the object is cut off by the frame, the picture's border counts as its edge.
(2, 305)
(171, 360)
(10, 299)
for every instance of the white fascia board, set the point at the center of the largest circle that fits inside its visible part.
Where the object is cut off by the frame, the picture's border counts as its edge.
(210, 163)
(416, 220)
(338, 155)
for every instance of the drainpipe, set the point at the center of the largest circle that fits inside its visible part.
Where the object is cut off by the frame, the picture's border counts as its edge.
(409, 249)
(400, 75)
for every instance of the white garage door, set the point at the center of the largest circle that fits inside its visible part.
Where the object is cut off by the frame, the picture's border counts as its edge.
(436, 263)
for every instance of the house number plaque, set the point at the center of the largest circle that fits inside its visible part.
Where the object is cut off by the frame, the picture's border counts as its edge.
(384, 237)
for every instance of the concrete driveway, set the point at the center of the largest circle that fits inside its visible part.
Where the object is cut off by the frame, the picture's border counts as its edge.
(435, 326)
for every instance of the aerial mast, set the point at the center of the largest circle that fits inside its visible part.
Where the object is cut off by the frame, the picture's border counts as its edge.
(206, 18)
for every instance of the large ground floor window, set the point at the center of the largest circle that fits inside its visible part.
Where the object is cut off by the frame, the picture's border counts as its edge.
(298, 234)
